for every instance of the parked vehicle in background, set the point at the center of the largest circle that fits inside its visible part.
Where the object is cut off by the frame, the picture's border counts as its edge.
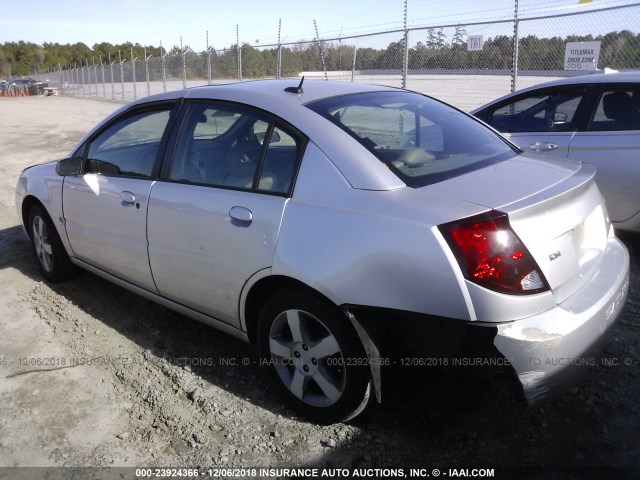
(33, 87)
(594, 119)
(333, 224)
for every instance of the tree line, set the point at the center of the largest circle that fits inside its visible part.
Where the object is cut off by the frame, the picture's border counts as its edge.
(619, 50)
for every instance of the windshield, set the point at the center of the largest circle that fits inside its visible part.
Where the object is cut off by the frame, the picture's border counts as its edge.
(420, 139)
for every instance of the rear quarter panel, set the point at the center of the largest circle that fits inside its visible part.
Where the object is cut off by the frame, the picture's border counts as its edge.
(367, 248)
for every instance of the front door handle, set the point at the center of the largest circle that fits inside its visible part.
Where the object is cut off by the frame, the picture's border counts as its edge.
(543, 146)
(127, 199)
(241, 214)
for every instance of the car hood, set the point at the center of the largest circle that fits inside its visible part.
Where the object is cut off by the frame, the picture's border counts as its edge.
(49, 162)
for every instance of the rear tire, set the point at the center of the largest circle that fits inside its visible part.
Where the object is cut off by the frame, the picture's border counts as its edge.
(313, 353)
(53, 261)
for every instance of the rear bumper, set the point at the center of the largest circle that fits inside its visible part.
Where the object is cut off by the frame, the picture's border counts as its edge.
(542, 355)
(551, 350)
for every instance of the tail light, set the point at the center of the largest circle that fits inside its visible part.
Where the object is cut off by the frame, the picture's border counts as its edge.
(491, 255)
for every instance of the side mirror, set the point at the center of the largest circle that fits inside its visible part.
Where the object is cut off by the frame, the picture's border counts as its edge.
(69, 166)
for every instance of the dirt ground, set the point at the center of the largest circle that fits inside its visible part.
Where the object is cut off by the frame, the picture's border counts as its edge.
(152, 388)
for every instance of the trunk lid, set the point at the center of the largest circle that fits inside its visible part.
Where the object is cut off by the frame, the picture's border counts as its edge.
(555, 208)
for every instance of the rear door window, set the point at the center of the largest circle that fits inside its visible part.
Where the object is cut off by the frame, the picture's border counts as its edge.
(551, 110)
(618, 109)
(232, 146)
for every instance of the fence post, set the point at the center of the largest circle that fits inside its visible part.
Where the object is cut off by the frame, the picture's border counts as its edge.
(208, 60)
(87, 91)
(514, 60)
(82, 77)
(405, 52)
(104, 88)
(95, 71)
(324, 65)
(239, 50)
(146, 70)
(279, 56)
(279, 67)
(133, 75)
(184, 65)
(353, 66)
(121, 72)
(164, 70)
(113, 89)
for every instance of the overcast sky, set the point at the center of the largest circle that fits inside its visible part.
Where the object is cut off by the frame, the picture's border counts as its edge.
(150, 21)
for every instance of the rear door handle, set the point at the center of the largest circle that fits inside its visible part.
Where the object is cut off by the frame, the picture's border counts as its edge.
(543, 146)
(241, 214)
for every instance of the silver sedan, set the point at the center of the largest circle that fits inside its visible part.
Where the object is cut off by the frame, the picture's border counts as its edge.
(342, 228)
(593, 119)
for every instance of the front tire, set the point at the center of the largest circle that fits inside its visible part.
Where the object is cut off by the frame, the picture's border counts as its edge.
(314, 356)
(53, 261)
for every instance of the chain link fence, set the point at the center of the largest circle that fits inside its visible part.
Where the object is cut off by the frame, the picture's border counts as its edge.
(435, 60)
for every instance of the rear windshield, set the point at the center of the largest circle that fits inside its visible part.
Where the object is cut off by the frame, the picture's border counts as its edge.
(420, 139)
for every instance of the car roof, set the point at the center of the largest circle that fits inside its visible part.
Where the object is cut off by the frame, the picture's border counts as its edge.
(311, 89)
(355, 162)
(600, 77)
(265, 90)
(592, 79)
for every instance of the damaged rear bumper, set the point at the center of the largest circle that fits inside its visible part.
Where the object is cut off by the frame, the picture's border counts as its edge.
(541, 355)
(551, 350)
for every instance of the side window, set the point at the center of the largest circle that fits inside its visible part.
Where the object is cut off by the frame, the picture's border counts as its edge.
(130, 146)
(280, 161)
(540, 112)
(618, 109)
(231, 146)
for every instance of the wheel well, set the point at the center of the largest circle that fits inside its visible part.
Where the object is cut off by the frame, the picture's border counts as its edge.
(262, 291)
(27, 203)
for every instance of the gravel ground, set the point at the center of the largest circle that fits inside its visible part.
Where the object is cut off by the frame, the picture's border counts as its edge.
(152, 388)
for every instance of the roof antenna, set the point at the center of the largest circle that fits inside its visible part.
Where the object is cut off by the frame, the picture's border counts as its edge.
(297, 90)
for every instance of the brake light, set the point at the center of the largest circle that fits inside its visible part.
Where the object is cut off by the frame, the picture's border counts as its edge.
(491, 255)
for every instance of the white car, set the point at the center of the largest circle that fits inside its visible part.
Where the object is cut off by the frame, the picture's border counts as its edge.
(594, 119)
(334, 224)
